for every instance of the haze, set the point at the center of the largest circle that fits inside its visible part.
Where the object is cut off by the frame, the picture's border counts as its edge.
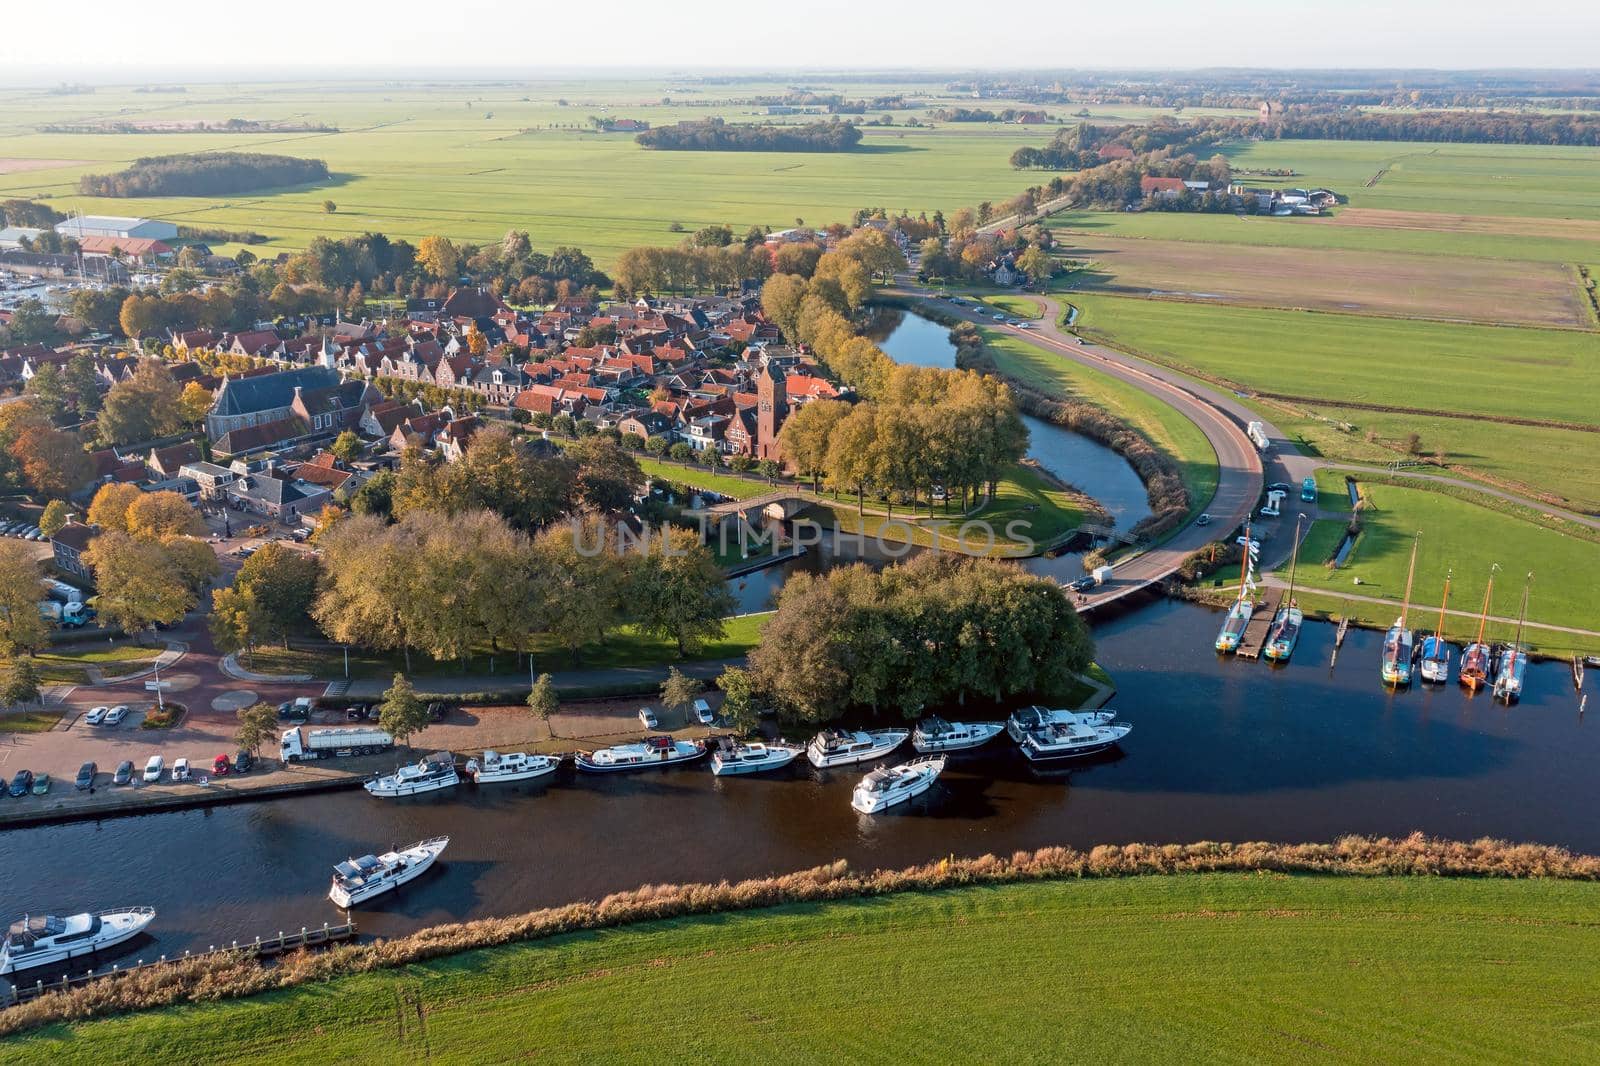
(104, 40)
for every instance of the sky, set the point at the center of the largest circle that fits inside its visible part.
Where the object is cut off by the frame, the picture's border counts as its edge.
(103, 40)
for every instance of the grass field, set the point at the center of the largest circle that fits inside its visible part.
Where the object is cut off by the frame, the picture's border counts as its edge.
(1019, 306)
(1460, 288)
(472, 161)
(1464, 538)
(1165, 427)
(1337, 360)
(1225, 967)
(29, 721)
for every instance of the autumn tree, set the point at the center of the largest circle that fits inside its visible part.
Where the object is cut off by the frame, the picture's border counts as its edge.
(542, 698)
(282, 584)
(143, 407)
(589, 582)
(53, 461)
(346, 447)
(21, 588)
(109, 508)
(608, 477)
(679, 592)
(160, 516)
(439, 257)
(140, 587)
(194, 403)
(236, 622)
(679, 689)
(805, 436)
(53, 518)
(19, 685)
(739, 696)
(258, 726)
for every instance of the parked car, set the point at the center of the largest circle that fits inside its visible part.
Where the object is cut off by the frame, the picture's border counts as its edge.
(180, 770)
(647, 718)
(702, 712)
(41, 785)
(124, 774)
(153, 768)
(374, 712)
(221, 767)
(86, 774)
(243, 762)
(355, 713)
(437, 711)
(22, 783)
(116, 714)
(96, 716)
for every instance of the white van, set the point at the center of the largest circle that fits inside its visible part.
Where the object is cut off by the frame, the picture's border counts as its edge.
(180, 770)
(153, 768)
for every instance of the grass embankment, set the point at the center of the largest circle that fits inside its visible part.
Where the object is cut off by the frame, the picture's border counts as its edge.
(625, 646)
(1225, 966)
(1331, 364)
(67, 664)
(1026, 307)
(1165, 428)
(29, 721)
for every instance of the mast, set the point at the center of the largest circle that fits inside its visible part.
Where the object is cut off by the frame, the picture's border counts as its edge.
(1244, 565)
(1405, 605)
(1439, 631)
(1522, 616)
(1487, 593)
(1294, 557)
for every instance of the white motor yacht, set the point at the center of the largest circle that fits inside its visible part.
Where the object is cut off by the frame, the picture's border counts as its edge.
(736, 757)
(1045, 735)
(358, 880)
(647, 754)
(837, 747)
(429, 774)
(43, 940)
(936, 734)
(889, 785)
(496, 768)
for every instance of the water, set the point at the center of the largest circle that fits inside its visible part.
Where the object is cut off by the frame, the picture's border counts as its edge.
(1221, 750)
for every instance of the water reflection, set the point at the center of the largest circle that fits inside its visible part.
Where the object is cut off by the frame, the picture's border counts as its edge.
(1222, 749)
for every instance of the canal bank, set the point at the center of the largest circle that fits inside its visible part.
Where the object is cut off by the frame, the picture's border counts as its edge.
(1221, 750)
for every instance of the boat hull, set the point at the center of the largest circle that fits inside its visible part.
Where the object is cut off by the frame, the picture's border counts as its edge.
(865, 801)
(1285, 635)
(588, 766)
(384, 788)
(1033, 754)
(823, 759)
(525, 772)
(135, 925)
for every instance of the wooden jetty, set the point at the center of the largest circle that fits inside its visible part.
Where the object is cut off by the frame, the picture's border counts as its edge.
(260, 948)
(1255, 633)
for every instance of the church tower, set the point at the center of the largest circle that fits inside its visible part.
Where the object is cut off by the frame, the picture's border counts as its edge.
(772, 407)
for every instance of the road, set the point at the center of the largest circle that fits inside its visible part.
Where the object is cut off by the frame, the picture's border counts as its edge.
(1241, 475)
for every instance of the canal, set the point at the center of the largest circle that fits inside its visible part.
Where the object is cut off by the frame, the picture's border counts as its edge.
(1221, 750)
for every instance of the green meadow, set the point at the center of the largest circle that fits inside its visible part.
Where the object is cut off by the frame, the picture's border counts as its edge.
(1328, 358)
(1458, 537)
(1202, 967)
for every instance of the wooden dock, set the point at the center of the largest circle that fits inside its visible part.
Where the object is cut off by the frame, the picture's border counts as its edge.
(1255, 633)
(260, 948)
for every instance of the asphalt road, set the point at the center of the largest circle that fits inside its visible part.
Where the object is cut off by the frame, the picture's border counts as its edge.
(1241, 475)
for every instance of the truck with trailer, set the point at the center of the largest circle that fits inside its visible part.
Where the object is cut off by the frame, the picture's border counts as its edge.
(62, 592)
(300, 743)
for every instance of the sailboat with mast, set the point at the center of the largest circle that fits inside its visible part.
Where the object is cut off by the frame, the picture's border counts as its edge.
(1513, 666)
(1286, 623)
(1477, 661)
(1398, 642)
(1239, 614)
(1435, 649)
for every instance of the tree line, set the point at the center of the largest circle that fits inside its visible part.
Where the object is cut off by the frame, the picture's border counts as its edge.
(715, 135)
(210, 174)
(935, 632)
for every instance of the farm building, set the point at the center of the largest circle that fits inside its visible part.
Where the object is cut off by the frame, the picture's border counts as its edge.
(113, 226)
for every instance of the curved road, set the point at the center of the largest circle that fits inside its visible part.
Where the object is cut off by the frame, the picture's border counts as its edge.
(1240, 473)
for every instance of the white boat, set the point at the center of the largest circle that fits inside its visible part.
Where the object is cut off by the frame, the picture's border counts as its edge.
(43, 940)
(936, 734)
(889, 785)
(1435, 659)
(649, 753)
(1028, 719)
(429, 774)
(1044, 735)
(735, 757)
(358, 880)
(495, 768)
(836, 747)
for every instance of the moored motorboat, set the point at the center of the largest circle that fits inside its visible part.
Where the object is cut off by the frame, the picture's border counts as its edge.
(837, 747)
(43, 940)
(431, 773)
(936, 734)
(1027, 719)
(890, 785)
(738, 757)
(496, 767)
(357, 880)
(646, 754)
(1047, 735)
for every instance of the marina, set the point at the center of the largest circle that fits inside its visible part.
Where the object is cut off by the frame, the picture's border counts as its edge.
(1293, 754)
